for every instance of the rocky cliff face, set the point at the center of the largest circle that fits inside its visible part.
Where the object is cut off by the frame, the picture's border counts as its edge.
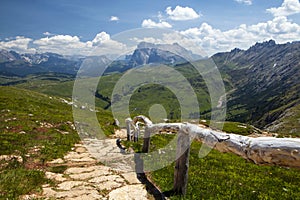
(171, 54)
(266, 78)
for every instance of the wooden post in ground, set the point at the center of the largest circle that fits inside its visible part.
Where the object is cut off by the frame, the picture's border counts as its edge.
(146, 144)
(128, 121)
(182, 163)
(136, 132)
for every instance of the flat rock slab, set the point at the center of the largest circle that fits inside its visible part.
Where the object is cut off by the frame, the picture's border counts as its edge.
(84, 179)
(129, 192)
(79, 170)
(131, 178)
(90, 175)
(107, 152)
(68, 185)
(55, 176)
(109, 178)
(109, 185)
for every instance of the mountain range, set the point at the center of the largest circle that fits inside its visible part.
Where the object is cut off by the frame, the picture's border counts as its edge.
(13, 63)
(265, 79)
(262, 82)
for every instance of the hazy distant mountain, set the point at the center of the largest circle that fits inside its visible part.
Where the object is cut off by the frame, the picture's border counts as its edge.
(171, 54)
(13, 63)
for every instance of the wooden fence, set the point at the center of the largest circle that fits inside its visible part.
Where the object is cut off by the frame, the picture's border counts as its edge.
(260, 150)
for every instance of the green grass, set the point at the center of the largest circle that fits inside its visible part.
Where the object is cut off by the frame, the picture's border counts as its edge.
(20, 181)
(290, 123)
(232, 127)
(36, 128)
(227, 176)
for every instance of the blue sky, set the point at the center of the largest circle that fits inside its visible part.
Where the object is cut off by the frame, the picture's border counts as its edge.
(28, 25)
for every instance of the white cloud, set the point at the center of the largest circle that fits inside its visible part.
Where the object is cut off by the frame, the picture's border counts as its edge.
(62, 44)
(72, 45)
(47, 33)
(287, 8)
(181, 13)
(214, 40)
(19, 44)
(247, 2)
(100, 38)
(102, 44)
(148, 23)
(114, 18)
(205, 36)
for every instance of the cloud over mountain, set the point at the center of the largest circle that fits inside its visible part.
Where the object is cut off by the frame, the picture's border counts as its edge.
(20, 44)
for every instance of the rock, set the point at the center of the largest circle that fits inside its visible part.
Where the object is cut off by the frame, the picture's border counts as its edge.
(76, 156)
(129, 192)
(49, 192)
(113, 178)
(79, 170)
(68, 185)
(91, 181)
(81, 150)
(120, 133)
(28, 197)
(109, 185)
(78, 193)
(11, 157)
(57, 161)
(86, 197)
(89, 175)
(131, 178)
(54, 176)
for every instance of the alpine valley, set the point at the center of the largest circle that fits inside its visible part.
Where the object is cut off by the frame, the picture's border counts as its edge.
(262, 83)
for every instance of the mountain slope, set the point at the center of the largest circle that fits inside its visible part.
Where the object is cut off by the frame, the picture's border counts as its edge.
(12, 63)
(265, 78)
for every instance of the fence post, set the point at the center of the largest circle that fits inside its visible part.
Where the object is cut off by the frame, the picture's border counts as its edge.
(136, 132)
(128, 121)
(182, 163)
(146, 144)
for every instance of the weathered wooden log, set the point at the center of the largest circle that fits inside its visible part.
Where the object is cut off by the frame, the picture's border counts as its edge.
(146, 144)
(128, 122)
(142, 118)
(182, 163)
(260, 150)
(136, 132)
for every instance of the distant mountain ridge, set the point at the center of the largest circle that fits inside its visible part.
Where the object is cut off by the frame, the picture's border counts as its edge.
(266, 81)
(147, 53)
(12, 63)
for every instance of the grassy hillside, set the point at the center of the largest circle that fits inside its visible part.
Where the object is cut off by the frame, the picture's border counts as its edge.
(34, 128)
(48, 83)
(224, 175)
(288, 122)
(227, 176)
(245, 105)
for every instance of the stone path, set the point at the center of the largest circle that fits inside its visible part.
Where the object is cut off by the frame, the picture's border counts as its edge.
(86, 178)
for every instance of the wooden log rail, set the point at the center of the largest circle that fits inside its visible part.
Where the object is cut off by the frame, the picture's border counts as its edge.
(260, 150)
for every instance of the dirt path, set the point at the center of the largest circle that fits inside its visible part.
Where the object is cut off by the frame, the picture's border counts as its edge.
(86, 178)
